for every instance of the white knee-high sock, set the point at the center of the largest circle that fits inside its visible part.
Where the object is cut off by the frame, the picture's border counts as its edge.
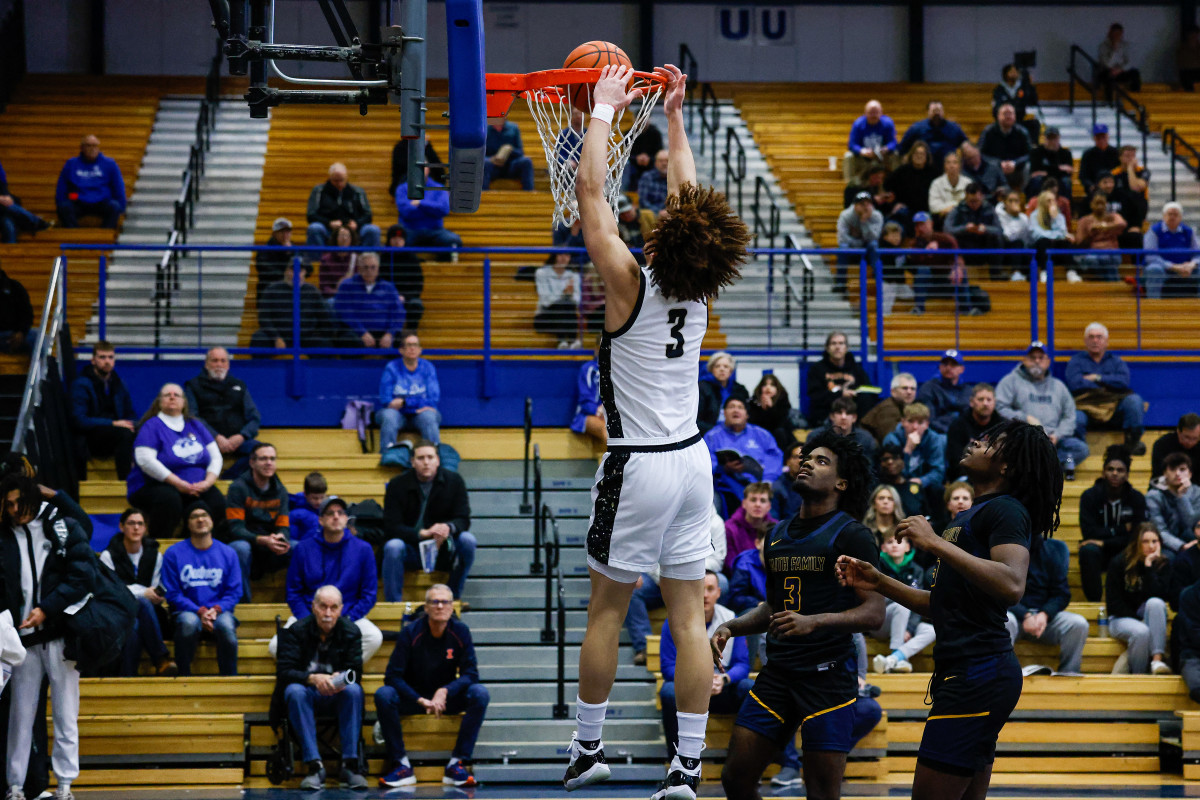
(691, 733)
(589, 719)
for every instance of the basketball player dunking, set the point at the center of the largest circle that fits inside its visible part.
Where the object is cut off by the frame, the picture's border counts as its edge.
(653, 492)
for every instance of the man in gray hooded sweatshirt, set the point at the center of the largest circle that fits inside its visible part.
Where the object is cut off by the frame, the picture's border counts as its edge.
(1032, 394)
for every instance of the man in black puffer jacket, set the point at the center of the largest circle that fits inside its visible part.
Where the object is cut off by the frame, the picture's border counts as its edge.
(223, 403)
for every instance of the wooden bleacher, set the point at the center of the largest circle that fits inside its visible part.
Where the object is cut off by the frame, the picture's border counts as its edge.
(1169, 107)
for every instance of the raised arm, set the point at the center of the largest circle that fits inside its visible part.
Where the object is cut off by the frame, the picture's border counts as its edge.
(681, 167)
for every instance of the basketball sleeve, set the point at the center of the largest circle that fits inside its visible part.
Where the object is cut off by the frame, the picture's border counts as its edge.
(1005, 521)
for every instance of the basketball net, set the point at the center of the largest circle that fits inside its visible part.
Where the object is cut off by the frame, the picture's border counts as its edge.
(562, 143)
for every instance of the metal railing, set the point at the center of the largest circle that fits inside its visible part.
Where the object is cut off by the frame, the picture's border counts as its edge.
(766, 214)
(802, 295)
(735, 165)
(710, 126)
(554, 629)
(537, 567)
(1123, 103)
(1180, 151)
(689, 67)
(54, 320)
(526, 506)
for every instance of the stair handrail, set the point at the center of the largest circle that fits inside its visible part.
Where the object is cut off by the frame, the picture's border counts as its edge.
(526, 506)
(536, 566)
(710, 125)
(1136, 113)
(556, 591)
(803, 295)
(735, 164)
(766, 218)
(1172, 143)
(689, 67)
(54, 320)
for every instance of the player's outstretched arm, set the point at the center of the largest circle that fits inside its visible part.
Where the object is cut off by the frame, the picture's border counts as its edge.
(1002, 574)
(605, 247)
(681, 167)
(862, 577)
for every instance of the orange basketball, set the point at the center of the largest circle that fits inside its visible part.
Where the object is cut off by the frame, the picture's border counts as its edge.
(592, 55)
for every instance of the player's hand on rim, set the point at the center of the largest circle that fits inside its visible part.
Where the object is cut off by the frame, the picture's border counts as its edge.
(854, 573)
(719, 639)
(613, 87)
(676, 87)
(918, 531)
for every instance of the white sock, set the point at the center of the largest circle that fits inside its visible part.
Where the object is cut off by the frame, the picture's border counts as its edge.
(453, 760)
(405, 761)
(589, 719)
(691, 734)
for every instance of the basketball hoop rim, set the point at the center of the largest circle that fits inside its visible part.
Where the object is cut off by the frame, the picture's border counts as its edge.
(503, 87)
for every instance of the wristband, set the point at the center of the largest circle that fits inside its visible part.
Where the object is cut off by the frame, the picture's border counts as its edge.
(603, 112)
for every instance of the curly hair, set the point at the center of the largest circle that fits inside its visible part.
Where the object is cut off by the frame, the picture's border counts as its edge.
(853, 467)
(1035, 478)
(698, 247)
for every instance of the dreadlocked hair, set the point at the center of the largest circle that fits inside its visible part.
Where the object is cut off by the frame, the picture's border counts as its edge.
(853, 466)
(698, 247)
(1035, 478)
(29, 496)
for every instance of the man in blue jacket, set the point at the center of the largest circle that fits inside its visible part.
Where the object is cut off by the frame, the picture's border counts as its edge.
(424, 219)
(335, 558)
(1041, 615)
(369, 307)
(942, 135)
(505, 156)
(204, 584)
(408, 395)
(872, 141)
(102, 409)
(748, 454)
(1099, 374)
(432, 671)
(946, 395)
(924, 450)
(90, 184)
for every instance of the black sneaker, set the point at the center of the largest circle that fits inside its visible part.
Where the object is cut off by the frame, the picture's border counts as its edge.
(587, 764)
(682, 780)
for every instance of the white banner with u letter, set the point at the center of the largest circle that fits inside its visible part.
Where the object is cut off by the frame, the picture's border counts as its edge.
(756, 25)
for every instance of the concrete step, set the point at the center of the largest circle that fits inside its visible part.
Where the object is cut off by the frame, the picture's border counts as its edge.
(541, 772)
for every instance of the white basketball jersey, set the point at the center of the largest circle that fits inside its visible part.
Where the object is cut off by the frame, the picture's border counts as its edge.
(649, 370)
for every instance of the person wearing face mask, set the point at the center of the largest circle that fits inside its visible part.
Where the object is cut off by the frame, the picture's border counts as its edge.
(1032, 394)
(1109, 512)
(717, 384)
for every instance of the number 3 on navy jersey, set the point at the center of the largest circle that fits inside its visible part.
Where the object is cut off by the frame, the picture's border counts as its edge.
(675, 318)
(791, 601)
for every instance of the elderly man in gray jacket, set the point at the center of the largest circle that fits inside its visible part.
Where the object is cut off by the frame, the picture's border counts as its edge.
(1032, 394)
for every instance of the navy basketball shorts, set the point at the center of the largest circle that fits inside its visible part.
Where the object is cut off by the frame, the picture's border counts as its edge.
(820, 704)
(972, 699)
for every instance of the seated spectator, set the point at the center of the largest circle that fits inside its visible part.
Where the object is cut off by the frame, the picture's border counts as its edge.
(884, 512)
(257, 526)
(1100, 159)
(904, 630)
(316, 325)
(1041, 614)
(371, 308)
(647, 594)
(957, 497)
(16, 331)
(1099, 381)
(1101, 230)
(270, 264)
(426, 503)
(741, 454)
(304, 508)
(1173, 503)
(1118, 200)
(941, 275)
(1014, 232)
(337, 203)
(424, 220)
(982, 171)
(924, 450)
(1109, 512)
(337, 265)
(652, 185)
(1132, 180)
(1172, 273)
(400, 164)
(318, 659)
(948, 189)
(1048, 231)
(885, 416)
(338, 558)
(1050, 160)
(1030, 393)
(785, 500)
(1135, 592)
(402, 269)
(629, 227)
(590, 417)
(1184, 439)
(891, 265)
(1062, 203)
(892, 461)
(176, 464)
(203, 586)
(102, 409)
(973, 225)
(872, 141)
(771, 409)
(645, 148)
(752, 518)
(571, 236)
(13, 217)
(505, 156)
(1187, 58)
(1017, 89)
(408, 395)
(558, 292)
(871, 182)
(748, 582)
(1007, 144)
(843, 420)
(731, 679)
(858, 227)
(90, 185)
(945, 394)
(136, 561)
(910, 183)
(1185, 567)
(1187, 628)
(1114, 68)
(837, 374)
(942, 136)
(718, 383)
(223, 403)
(967, 426)
(432, 670)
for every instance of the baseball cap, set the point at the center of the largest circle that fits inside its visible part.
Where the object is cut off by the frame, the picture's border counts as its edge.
(624, 204)
(1099, 128)
(920, 216)
(858, 198)
(281, 224)
(1051, 131)
(952, 355)
(330, 500)
(1036, 344)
